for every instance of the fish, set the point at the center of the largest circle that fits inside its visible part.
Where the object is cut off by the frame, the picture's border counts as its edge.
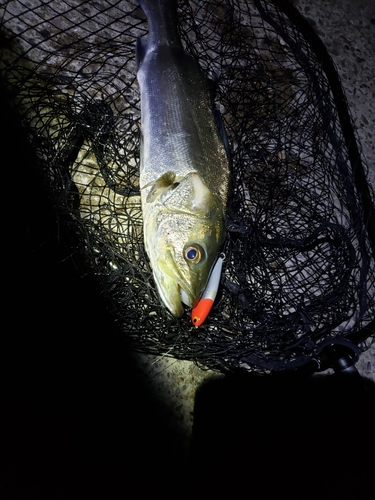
(184, 162)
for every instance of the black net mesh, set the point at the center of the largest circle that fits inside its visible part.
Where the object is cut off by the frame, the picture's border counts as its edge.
(299, 262)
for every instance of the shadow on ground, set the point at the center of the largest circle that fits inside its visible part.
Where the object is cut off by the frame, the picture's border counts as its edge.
(274, 437)
(79, 420)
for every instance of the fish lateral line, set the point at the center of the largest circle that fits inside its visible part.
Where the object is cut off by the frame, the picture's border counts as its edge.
(200, 312)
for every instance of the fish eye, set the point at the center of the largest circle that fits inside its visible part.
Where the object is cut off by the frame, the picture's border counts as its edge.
(193, 253)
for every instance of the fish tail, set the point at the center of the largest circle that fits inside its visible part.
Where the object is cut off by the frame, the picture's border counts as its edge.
(162, 25)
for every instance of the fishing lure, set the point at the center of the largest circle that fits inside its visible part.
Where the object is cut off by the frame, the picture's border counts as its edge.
(200, 312)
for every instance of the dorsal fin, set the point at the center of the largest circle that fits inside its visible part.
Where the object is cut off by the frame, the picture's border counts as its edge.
(140, 51)
(221, 129)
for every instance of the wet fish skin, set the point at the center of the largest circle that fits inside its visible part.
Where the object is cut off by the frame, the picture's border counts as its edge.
(184, 165)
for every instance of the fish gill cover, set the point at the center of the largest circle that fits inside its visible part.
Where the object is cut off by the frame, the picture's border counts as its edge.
(299, 267)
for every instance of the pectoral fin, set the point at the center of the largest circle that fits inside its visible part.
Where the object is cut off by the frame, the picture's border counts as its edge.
(160, 187)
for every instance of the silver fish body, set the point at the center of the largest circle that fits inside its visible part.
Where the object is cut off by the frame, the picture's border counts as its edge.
(184, 165)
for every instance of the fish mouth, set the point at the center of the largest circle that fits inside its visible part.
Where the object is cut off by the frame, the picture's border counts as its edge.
(187, 298)
(171, 297)
(173, 290)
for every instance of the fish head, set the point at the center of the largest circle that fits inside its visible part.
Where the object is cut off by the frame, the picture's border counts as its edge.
(183, 231)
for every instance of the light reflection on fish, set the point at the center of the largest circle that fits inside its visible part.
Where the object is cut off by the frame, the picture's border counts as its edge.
(184, 165)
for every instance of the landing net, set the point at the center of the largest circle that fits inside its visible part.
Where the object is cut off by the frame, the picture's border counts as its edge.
(299, 265)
